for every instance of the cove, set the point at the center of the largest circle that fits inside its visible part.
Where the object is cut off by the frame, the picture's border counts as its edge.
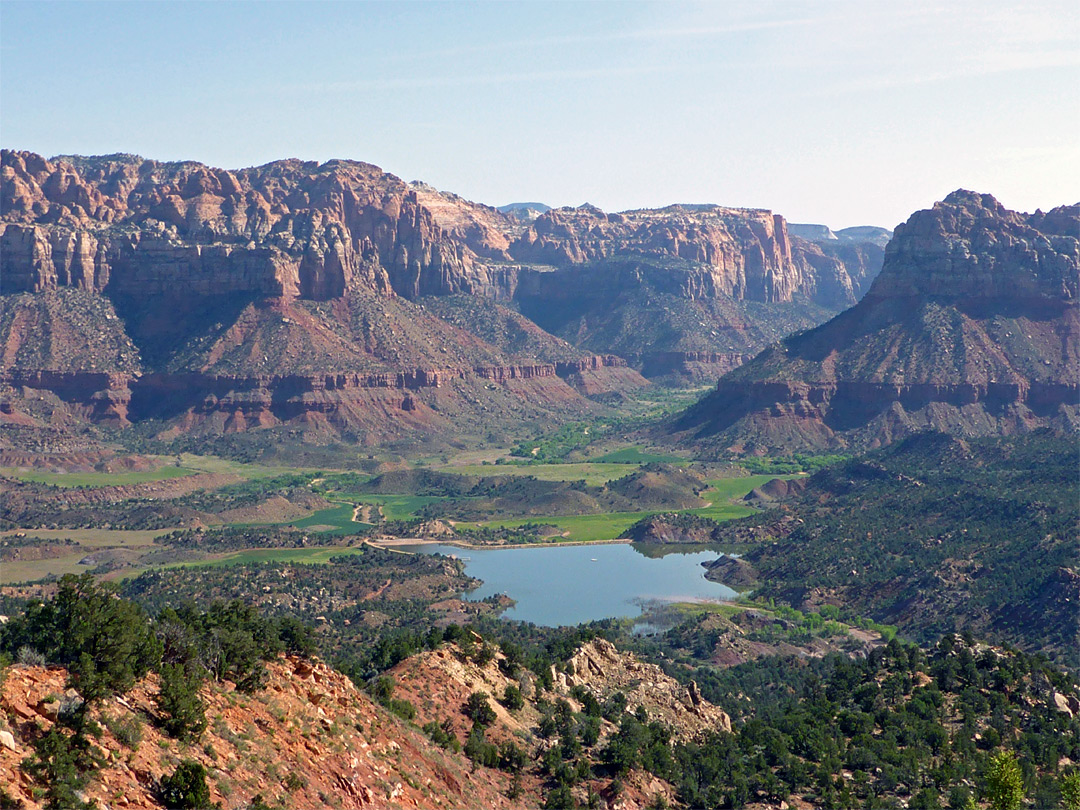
(567, 585)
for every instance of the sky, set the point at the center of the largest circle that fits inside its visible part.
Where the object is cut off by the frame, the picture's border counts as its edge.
(834, 112)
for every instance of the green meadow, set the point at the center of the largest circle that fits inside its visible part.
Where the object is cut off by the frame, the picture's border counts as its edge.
(721, 494)
(593, 473)
(397, 507)
(311, 556)
(96, 479)
(635, 455)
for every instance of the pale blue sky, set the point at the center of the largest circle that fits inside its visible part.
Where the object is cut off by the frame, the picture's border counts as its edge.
(837, 112)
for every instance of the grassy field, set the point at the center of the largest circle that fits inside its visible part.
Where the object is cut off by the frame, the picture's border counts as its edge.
(189, 465)
(722, 511)
(584, 528)
(97, 479)
(89, 540)
(592, 473)
(213, 464)
(635, 455)
(397, 507)
(31, 570)
(728, 488)
(336, 519)
(610, 526)
(95, 538)
(261, 555)
(579, 528)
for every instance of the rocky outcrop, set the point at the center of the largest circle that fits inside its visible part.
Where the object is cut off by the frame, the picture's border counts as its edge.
(734, 572)
(971, 247)
(674, 527)
(777, 489)
(743, 254)
(101, 398)
(971, 328)
(602, 670)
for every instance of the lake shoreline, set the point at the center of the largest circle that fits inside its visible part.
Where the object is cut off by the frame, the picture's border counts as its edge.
(577, 582)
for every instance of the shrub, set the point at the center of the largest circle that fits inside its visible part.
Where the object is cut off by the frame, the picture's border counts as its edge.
(402, 708)
(29, 657)
(186, 788)
(294, 782)
(105, 642)
(64, 759)
(1004, 782)
(128, 731)
(443, 735)
(480, 750)
(178, 699)
(479, 710)
(1070, 791)
(512, 698)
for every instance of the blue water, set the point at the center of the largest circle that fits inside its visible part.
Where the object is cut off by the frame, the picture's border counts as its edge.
(562, 585)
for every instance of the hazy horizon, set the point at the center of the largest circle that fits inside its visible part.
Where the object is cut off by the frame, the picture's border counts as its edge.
(836, 113)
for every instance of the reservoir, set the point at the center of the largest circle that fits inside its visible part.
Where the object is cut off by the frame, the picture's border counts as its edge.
(566, 585)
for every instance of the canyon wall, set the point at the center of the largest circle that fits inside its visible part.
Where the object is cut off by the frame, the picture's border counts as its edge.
(972, 327)
(135, 227)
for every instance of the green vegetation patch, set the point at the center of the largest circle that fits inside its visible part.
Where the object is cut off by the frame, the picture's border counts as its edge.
(97, 479)
(774, 466)
(635, 455)
(592, 473)
(578, 528)
(312, 556)
(730, 488)
(399, 507)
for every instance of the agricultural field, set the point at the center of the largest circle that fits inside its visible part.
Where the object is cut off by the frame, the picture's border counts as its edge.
(587, 528)
(635, 455)
(592, 473)
(336, 520)
(96, 479)
(310, 556)
(115, 536)
(398, 507)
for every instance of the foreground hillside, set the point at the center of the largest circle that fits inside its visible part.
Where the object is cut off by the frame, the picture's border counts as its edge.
(307, 739)
(197, 708)
(972, 328)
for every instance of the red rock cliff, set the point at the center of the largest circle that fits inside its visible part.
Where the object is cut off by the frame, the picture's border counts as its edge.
(972, 327)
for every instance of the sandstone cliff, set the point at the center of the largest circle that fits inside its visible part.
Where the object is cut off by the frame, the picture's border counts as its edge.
(137, 227)
(294, 293)
(972, 327)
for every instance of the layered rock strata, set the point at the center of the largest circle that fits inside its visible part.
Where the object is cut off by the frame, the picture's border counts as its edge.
(198, 285)
(971, 328)
(138, 227)
(264, 400)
